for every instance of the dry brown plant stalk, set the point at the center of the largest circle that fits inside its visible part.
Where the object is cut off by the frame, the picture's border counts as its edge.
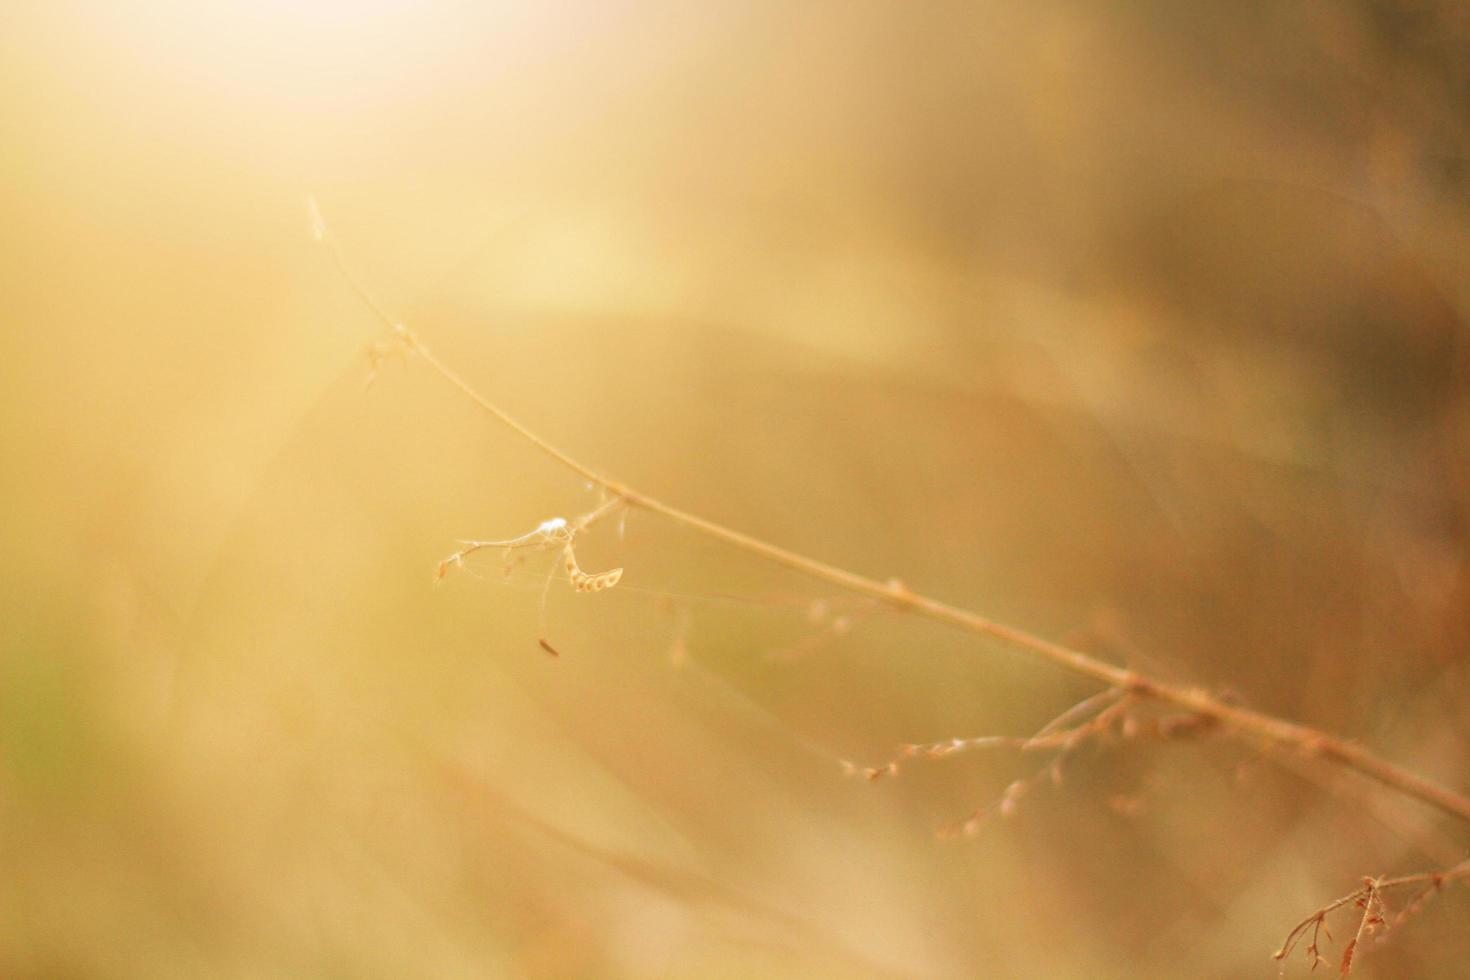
(1196, 702)
(1243, 721)
(1054, 736)
(1113, 715)
(1111, 707)
(1373, 920)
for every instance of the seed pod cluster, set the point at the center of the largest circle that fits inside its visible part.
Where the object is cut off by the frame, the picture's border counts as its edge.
(583, 582)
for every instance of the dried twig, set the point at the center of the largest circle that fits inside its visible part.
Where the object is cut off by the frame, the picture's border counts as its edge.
(1369, 898)
(1054, 736)
(1111, 708)
(1194, 701)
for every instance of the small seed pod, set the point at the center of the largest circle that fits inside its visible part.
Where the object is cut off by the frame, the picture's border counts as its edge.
(606, 580)
(583, 582)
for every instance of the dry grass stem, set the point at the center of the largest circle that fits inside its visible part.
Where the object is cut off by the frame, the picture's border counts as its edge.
(1195, 700)
(1108, 715)
(1111, 709)
(1201, 709)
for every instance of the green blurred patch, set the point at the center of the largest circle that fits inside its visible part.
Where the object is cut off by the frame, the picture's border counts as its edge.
(50, 748)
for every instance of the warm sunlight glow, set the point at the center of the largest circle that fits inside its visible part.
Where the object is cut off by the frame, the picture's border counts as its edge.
(1012, 458)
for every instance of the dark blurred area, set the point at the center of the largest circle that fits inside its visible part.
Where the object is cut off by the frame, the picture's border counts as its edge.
(1140, 326)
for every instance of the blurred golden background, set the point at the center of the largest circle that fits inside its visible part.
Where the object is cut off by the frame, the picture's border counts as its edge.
(1141, 326)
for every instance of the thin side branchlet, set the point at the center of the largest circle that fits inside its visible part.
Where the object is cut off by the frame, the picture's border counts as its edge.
(1373, 921)
(1369, 923)
(1060, 736)
(1051, 736)
(1110, 715)
(555, 532)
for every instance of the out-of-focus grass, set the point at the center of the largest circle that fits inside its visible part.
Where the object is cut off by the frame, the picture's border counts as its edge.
(1143, 329)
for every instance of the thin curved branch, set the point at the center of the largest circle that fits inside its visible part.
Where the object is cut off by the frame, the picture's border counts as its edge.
(1243, 721)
